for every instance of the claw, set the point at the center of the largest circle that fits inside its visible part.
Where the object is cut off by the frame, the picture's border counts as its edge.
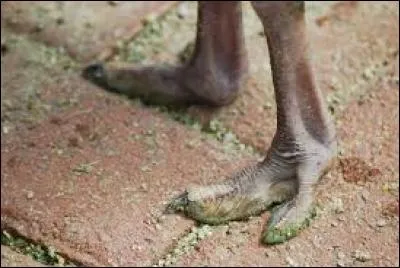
(277, 236)
(178, 204)
(279, 231)
(96, 73)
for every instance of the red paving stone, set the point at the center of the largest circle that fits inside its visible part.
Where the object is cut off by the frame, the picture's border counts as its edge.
(86, 29)
(370, 134)
(35, 85)
(139, 157)
(105, 217)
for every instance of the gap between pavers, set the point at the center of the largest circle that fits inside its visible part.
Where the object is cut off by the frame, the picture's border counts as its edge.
(10, 258)
(88, 30)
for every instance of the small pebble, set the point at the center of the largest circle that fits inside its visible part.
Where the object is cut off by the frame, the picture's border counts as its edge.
(267, 106)
(368, 74)
(290, 262)
(381, 223)
(182, 11)
(229, 137)
(5, 129)
(143, 187)
(361, 256)
(337, 205)
(341, 255)
(341, 264)
(177, 251)
(161, 219)
(365, 195)
(29, 195)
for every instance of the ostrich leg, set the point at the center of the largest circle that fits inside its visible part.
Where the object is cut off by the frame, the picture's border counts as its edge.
(213, 75)
(302, 149)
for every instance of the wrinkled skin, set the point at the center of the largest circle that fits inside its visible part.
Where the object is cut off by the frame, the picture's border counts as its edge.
(304, 144)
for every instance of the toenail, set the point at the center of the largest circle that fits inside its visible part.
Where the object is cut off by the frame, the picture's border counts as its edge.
(94, 70)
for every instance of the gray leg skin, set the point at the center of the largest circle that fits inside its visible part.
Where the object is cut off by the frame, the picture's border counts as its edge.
(303, 148)
(213, 76)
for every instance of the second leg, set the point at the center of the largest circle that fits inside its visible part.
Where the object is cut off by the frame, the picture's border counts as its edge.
(212, 76)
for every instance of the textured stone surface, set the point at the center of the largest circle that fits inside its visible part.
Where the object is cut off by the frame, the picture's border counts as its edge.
(92, 177)
(85, 29)
(94, 184)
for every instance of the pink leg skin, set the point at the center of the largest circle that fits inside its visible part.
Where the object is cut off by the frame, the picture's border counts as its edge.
(303, 147)
(213, 76)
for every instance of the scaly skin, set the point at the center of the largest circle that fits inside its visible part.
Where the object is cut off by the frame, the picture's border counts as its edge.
(256, 189)
(304, 142)
(246, 194)
(275, 235)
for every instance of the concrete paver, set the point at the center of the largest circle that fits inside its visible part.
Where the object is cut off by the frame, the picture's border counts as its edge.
(94, 185)
(92, 178)
(27, 72)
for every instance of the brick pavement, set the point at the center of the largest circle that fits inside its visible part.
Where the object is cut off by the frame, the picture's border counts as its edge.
(89, 172)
